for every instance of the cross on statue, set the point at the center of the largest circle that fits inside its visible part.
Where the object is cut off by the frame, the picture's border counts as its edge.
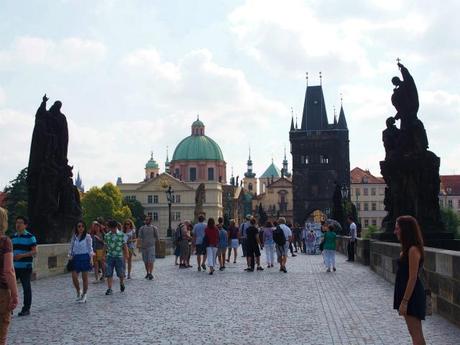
(398, 60)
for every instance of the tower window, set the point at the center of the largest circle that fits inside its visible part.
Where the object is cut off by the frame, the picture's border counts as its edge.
(210, 174)
(192, 174)
(323, 159)
(250, 187)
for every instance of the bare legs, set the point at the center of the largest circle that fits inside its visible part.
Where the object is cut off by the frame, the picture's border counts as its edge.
(76, 283)
(414, 325)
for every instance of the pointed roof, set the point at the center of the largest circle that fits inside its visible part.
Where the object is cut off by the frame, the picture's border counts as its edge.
(342, 124)
(314, 111)
(272, 170)
(292, 123)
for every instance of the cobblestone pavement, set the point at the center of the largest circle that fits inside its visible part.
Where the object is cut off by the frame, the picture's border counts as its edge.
(304, 306)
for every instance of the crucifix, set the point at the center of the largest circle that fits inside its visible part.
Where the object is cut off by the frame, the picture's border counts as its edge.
(398, 60)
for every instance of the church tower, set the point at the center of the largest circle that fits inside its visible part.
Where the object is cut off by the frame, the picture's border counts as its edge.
(320, 157)
(250, 181)
(151, 168)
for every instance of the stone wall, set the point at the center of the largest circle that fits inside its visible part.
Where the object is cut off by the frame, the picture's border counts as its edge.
(442, 269)
(361, 251)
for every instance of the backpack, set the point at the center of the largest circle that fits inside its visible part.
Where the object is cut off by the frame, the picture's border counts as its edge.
(178, 234)
(278, 236)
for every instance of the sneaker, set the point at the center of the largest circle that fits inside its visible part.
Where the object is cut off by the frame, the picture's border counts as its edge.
(334, 269)
(294, 255)
(147, 276)
(150, 276)
(328, 270)
(284, 270)
(102, 279)
(221, 268)
(249, 269)
(78, 296)
(83, 298)
(109, 292)
(211, 272)
(122, 287)
(260, 268)
(199, 268)
(234, 262)
(203, 266)
(129, 277)
(24, 313)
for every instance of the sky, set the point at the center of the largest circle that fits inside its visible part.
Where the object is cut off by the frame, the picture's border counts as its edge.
(134, 75)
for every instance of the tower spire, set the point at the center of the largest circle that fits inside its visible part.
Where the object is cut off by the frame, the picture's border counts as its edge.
(306, 77)
(249, 173)
(320, 78)
(292, 119)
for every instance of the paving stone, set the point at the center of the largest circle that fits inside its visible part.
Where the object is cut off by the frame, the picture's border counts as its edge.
(305, 306)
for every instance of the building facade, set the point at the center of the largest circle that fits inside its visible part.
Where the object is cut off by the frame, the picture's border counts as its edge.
(320, 157)
(449, 195)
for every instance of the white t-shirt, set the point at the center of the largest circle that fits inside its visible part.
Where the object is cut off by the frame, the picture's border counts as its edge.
(287, 231)
(353, 231)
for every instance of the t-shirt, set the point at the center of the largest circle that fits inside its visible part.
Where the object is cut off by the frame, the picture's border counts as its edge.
(287, 231)
(223, 238)
(268, 236)
(353, 231)
(98, 242)
(198, 232)
(233, 230)
(329, 240)
(148, 234)
(114, 243)
(23, 244)
(5, 247)
(213, 236)
(129, 237)
(243, 229)
(252, 233)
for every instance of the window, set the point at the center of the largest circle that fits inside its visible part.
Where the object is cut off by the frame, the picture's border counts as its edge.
(149, 214)
(374, 206)
(155, 199)
(441, 202)
(176, 173)
(155, 216)
(176, 198)
(358, 206)
(250, 187)
(192, 174)
(357, 192)
(374, 222)
(449, 203)
(149, 199)
(366, 206)
(152, 175)
(365, 191)
(210, 174)
(373, 191)
(306, 159)
(175, 215)
(366, 223)
(323, 159)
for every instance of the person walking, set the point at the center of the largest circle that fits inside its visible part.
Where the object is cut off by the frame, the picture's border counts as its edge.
(8, 287)
(352, 241)
(200, 248)
(98, 247)
(130, 237)
(269, 244)
(234, 237)
(117, 250)
(409, 292)
(329, 247)
(212, 239)
(24, 250)
(243, 236)
(177, 241)
(81, 256)
(222, 245)
(253, 246)
(282, 236)
(148, 235)
(183, 245)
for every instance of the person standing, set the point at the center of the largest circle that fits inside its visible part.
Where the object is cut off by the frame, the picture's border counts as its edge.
(184, 245)
(222, 245)
(269, 244)
(253, 246)
(409, 292)
(8, 287)
(311, 240)
(130, 236)
(198, 235)
(148, 234)
(98, 247)
(243, 235)
(234, 236)
(212, 239)
(282, 236)
(115, 245)
(329, 248)
(352, 241)
(81, 253)
(24, 250)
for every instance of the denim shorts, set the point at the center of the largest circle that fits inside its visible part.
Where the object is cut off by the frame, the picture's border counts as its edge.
(114, 262)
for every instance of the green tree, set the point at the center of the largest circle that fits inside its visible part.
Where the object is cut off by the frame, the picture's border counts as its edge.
(114, 193)
(17, 198)
(451, 221)
(137, 211)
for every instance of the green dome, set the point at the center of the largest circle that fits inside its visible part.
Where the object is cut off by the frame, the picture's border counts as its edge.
(151, 164)
(198, 123)
(197, 147)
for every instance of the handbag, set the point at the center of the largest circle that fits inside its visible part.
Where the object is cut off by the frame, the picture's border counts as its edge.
(69, 266)
(428, 298)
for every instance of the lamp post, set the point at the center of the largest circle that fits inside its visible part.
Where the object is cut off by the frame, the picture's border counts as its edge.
(169, 196)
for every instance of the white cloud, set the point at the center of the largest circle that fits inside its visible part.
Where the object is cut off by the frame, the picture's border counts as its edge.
(66, 54)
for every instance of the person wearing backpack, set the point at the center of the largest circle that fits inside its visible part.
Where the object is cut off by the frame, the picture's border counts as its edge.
(282, 236)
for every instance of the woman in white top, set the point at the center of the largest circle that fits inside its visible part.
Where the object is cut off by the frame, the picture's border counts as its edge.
(130, 238)
(81, 256)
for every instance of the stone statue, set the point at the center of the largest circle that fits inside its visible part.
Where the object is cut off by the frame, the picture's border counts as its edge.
(54, 202)
(410, 171)
(200, 199)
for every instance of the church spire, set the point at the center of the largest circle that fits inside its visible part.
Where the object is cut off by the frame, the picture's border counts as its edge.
(249, 173)
(167, 160)
(292, 119)
(285, 171)
(342, 124)
(79, 183)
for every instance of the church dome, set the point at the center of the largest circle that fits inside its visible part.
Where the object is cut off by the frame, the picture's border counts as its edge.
(151, 164)
(197, 147)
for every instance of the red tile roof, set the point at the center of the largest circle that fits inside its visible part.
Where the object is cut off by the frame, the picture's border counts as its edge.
(358, 175)
(450, 184)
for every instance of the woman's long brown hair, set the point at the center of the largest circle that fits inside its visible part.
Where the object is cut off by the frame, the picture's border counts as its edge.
(410, 234)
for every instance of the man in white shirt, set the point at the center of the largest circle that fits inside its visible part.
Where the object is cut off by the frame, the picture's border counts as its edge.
(352, 241)
(282, 251)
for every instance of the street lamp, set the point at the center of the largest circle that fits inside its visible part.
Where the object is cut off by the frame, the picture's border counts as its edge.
(169, 196)
(344, 191)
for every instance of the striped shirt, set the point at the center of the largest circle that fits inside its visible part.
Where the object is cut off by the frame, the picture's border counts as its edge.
(23, 243)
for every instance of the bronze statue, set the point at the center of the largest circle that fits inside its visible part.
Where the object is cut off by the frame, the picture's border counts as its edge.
(54, 202)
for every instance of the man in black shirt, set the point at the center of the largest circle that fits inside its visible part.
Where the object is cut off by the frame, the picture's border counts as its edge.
(252, 246)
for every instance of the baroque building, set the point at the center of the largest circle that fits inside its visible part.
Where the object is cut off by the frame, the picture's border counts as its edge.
(320, 157)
